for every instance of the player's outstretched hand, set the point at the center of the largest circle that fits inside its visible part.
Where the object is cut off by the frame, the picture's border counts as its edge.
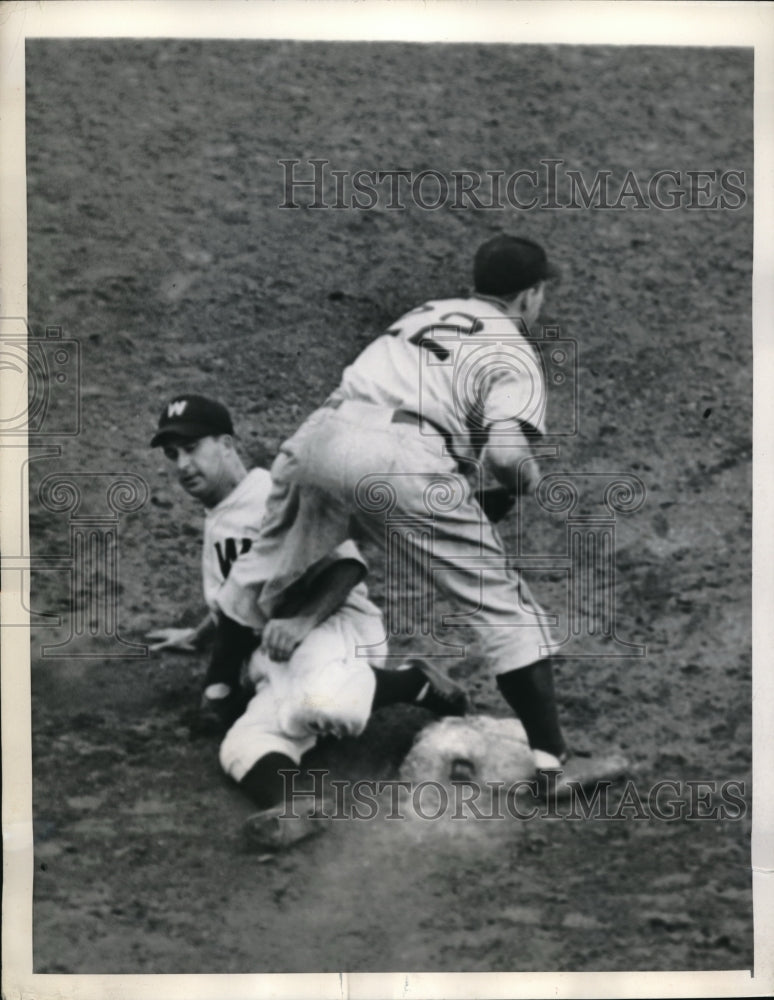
(282, 635)
(181, 639)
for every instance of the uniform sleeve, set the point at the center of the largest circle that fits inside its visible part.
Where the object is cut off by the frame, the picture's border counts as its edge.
(348, 550)
(239, 601)
(295, 599)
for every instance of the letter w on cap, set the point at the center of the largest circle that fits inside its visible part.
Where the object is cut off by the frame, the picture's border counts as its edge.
(177, 408)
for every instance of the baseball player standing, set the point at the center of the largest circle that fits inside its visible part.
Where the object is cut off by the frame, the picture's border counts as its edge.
(309, 679)
(454, 385)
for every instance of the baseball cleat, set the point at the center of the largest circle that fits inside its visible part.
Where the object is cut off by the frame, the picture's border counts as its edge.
(274, 830)
(440, 694)
(579, 770)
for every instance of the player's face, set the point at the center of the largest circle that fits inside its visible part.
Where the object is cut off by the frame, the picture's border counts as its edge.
(202, 467)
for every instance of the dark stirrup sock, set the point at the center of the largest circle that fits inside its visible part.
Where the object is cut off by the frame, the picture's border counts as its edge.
(530, 693)
(392, 686)
(263, 782)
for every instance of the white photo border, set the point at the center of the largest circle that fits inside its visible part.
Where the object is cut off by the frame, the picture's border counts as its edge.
(704, 24)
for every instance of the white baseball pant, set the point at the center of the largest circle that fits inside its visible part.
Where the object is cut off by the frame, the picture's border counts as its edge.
(324, 688)
(344, 453)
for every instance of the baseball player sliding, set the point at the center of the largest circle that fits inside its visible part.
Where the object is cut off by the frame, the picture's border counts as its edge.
(303, 660)
(453, 386)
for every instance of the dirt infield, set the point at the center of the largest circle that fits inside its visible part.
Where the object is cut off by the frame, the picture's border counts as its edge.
(157, 242)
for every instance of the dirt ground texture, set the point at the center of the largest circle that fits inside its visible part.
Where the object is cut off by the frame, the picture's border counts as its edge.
(156, 242)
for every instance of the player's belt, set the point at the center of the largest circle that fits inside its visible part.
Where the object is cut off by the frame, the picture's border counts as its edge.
(398, 417)
(408, 417)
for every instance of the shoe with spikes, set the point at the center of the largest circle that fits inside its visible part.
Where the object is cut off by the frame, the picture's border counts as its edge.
(439, 693)
(579, 770)
(281, 827)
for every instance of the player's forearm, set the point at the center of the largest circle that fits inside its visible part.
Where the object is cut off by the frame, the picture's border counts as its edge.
(233, 644)
(328, 591)
(204, 630)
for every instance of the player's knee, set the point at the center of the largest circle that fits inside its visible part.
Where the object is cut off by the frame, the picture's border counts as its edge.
(240, 748)
(317, 717)
(336, 701)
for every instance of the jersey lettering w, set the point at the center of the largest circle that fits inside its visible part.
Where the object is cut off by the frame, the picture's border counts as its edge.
(230, 529)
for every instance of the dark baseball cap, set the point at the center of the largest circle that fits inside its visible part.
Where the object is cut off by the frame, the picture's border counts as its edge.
(506, 265)
(191, 416)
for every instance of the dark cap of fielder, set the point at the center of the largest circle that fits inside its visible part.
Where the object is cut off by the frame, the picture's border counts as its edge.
(506, 265)
(190, 416)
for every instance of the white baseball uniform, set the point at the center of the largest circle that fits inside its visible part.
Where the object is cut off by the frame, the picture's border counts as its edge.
(446, 378)
(230, 530)
(324, 687)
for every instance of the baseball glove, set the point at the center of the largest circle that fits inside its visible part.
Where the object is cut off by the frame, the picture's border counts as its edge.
(495, 501)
